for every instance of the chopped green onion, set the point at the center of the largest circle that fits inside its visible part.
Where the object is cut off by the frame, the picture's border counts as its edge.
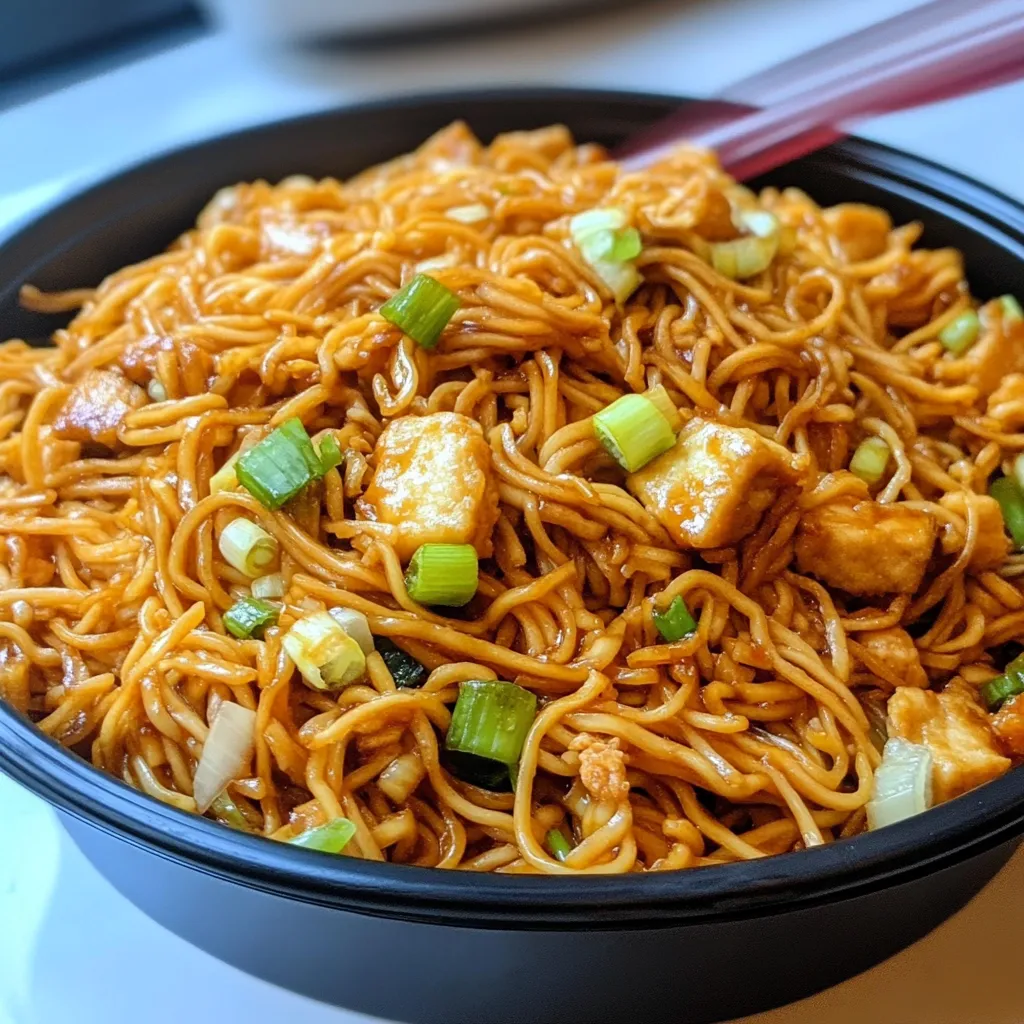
(633, 431)
(995, 691)
(330, 454)
(961, 333)
(491, 720)
(607, 243)
(622, 279)
(1011, 307)
(559, 846)
(249, 617)
(870, 459)
(1011, 501)
(156, 391)
(744, 257)
(277, 468)
(445, 574)
(225, 479)
(471, 214)
(356, 625)
(406, 671)
(1018, 470)
(421, 309)
(247, 547)
(268, 587)
(675, 622)
(659, 396)
(227, 812)
(330, 838)
(903, 783)
(325, 655)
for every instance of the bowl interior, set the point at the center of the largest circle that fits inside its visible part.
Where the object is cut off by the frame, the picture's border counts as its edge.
(142, 210)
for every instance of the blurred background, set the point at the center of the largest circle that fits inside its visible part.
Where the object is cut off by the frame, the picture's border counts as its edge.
(88, 87)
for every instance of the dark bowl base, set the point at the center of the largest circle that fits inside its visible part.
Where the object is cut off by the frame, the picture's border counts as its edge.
(407, 971)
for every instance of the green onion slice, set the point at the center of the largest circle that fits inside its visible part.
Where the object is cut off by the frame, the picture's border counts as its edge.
(227, 812)
(870, 459)
(1011, 500)
(1011, 307)
(406, 671)
(633, 431)
(444, 574)
(1011, 683)
(325, 655)
(421, 309)
(903, 783)
(330, 454)
(961, 333)
(330, 838)
(247, 547)
(621, 279)
(559, 846)
(249, 617)
(660, 397)
(270, 587)
(491, 720)
(608, 243)
(277, 468)
(675, 622)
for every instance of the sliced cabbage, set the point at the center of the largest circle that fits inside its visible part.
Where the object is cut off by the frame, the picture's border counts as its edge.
(903, 783)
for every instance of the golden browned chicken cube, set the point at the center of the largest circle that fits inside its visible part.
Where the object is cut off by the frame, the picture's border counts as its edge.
(432, 483)
(955, 729)
(713, 486)
(992, 546)
(891, 655)
(866, 548)
(861, 232)
(98, 403)
(1008, 725)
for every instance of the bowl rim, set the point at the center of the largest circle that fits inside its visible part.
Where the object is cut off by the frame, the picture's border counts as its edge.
(977, 821)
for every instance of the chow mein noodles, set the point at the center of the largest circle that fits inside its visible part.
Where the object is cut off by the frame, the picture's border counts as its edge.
(501, 510)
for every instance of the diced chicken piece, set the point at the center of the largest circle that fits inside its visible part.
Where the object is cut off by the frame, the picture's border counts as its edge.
(98, 403)
(861, 232)
(713, 486)
(1006, 403)
(140, 362)
(891, 655)
(998, 352)
(867, 547)
(955, 729)
(433, 483)
(1008, 725)
(602, 766)
(993, 545)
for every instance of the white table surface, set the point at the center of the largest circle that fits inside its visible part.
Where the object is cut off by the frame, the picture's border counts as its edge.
(73, 951)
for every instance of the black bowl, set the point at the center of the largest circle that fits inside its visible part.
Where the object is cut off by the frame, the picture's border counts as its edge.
(421, 945)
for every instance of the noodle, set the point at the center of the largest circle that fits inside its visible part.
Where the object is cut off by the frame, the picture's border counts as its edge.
(753, 735)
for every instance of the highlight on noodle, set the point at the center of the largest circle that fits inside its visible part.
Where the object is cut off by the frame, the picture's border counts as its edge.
(501, 510)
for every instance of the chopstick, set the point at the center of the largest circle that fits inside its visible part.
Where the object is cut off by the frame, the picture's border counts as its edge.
(934, 52)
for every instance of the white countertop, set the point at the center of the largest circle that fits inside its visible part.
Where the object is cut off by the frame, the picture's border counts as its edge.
(71, 948)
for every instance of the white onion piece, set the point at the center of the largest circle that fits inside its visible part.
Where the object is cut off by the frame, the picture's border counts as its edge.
(356, 625)
(268, 587)
(402, 776)
(471, 214)
(903, 783)
(444, 262)
(226, 753)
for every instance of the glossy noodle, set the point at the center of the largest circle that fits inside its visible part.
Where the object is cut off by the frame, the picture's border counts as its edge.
(831, 609)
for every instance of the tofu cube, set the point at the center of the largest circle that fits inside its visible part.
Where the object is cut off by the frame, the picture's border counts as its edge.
(955, 729)
(866, 548)
(433, 482)
(98, 403)
(712, 487)
(899, 659)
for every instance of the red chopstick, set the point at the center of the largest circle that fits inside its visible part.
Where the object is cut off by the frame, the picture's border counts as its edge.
(934, 52)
